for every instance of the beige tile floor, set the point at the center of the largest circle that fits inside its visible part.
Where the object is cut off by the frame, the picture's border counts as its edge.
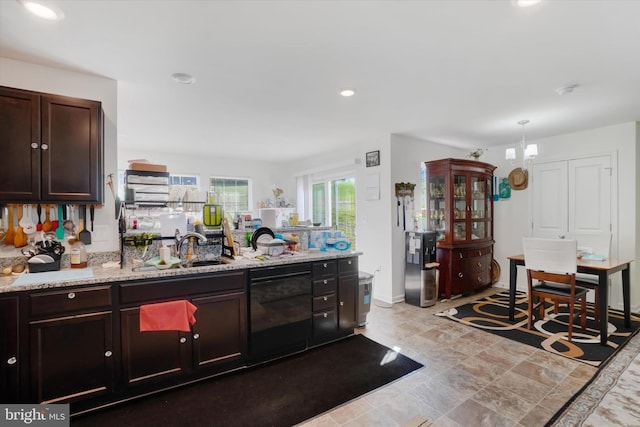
(470, 377)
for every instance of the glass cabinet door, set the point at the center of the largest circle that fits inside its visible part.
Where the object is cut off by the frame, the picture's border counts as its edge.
(436, 208)
(460, 207)
(479, 205)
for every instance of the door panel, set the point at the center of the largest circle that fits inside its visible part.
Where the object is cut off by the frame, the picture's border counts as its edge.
(590, 198)
(549, 186)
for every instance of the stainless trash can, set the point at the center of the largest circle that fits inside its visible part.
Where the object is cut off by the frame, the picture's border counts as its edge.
(365, 293)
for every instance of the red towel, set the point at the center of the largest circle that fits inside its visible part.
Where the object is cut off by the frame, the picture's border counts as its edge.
(167, 316)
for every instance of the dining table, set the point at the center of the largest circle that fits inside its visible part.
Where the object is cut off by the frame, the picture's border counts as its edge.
(602, 270)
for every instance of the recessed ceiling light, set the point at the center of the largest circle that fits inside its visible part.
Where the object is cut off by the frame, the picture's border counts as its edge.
(43, 10)
(347, 92)
(525, 3)
(183, 78)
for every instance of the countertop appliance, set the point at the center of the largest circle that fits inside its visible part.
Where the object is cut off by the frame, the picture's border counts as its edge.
(421, 269)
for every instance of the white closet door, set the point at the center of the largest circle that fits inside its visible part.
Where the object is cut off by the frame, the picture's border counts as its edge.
(549, 187)
(590, 195)
(571, 196)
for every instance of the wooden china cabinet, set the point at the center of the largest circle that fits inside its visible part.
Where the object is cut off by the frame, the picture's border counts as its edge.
(460, 210)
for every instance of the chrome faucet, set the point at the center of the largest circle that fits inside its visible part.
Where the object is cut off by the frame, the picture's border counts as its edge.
(180, 240)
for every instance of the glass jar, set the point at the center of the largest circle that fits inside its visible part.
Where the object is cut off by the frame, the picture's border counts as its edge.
(78, 253)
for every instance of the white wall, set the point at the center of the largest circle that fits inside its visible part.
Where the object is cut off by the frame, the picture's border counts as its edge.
(23, 75)
(407, 154)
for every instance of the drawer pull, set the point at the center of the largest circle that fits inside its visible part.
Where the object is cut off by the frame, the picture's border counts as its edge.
(34, 145)
(349, 262)
(460, 275)
(325, 282)
(44, 146)
(12, 360)
(480, 264)
(108, 353)
(325, 315)
(479, 279)
(460, 255)
(71, 295)
(341, 303)
(196, 336)
(325, 265)
(183, 340)
(325, 298)
(479, 252)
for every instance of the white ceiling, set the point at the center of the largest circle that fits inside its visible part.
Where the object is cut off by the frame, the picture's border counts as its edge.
(268, 73)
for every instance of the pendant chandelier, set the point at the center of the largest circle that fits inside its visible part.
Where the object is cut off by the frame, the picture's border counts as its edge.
(529, 152)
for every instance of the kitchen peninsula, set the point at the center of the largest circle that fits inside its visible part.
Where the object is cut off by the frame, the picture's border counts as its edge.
(77, 339)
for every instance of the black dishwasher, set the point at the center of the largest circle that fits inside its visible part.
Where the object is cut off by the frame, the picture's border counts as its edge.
(279, 310)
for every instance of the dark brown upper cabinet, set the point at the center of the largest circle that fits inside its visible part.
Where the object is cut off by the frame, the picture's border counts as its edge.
(52, 149)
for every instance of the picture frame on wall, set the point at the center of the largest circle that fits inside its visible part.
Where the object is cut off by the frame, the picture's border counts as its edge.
(373, 158)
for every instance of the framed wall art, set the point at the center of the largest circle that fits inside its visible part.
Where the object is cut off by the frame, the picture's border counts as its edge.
(373, 158)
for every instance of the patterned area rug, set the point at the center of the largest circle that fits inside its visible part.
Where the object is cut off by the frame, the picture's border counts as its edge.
(611, 397)
(492, 315)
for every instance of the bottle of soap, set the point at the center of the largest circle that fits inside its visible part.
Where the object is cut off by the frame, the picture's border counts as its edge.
(78, 254)
(190, 249)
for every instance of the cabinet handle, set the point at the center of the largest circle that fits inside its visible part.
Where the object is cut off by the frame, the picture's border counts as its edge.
(480, 264)
(325, 315)
(196, 336)
(108, 353)
(460, 255)
(341, 303)
(325, 282)
(324, 265)
(349, 262)
(71, 295)
(325, 298)
(480, 253)
(12, 360)
(34, 145)
(479, 279)
(44, 146)
(183, 340)
(460, 275)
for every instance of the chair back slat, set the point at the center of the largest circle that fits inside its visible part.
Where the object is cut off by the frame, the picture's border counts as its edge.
(550, 255)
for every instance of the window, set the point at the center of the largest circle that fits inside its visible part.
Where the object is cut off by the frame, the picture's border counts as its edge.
(189, 180)
(232, 193)
(333, 203)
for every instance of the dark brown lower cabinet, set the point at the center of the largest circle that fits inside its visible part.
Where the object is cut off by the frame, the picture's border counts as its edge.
(151, 356)
(71, 357)
(10, 357)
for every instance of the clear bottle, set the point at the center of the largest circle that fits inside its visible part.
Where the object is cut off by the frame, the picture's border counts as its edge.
(304, 242)
(78, 253)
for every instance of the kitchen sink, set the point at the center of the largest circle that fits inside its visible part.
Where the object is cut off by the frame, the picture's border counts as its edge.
(202, 263)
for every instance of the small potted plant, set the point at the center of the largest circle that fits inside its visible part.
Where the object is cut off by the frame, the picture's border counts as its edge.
(475, 155)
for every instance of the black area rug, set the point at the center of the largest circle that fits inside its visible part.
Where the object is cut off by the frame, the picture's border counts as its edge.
(281, 393)
(492, 315)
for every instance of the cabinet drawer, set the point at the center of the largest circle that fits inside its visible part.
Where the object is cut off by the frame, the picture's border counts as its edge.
(324, 286)
(324, 268)
(180, 287)
(347, 266)
(325, 322)
(67, 300)
(477, 264)
(324, 302)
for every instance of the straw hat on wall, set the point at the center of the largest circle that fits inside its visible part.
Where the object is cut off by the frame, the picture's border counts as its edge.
(518, 179)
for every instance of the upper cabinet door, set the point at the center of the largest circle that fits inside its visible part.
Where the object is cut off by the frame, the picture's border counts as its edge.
(19, 145)
(51, 148)
(71, 150)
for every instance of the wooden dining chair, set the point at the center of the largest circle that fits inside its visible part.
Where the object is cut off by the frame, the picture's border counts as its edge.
(552, 264)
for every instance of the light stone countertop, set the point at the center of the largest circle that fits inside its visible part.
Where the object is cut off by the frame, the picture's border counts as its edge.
(115, 275)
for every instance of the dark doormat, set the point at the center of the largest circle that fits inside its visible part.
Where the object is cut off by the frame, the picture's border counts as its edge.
(491, 314)
(282, 393)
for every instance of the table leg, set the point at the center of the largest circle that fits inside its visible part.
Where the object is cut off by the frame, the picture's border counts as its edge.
(513, 274)
(603, 308)
(626, 296)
